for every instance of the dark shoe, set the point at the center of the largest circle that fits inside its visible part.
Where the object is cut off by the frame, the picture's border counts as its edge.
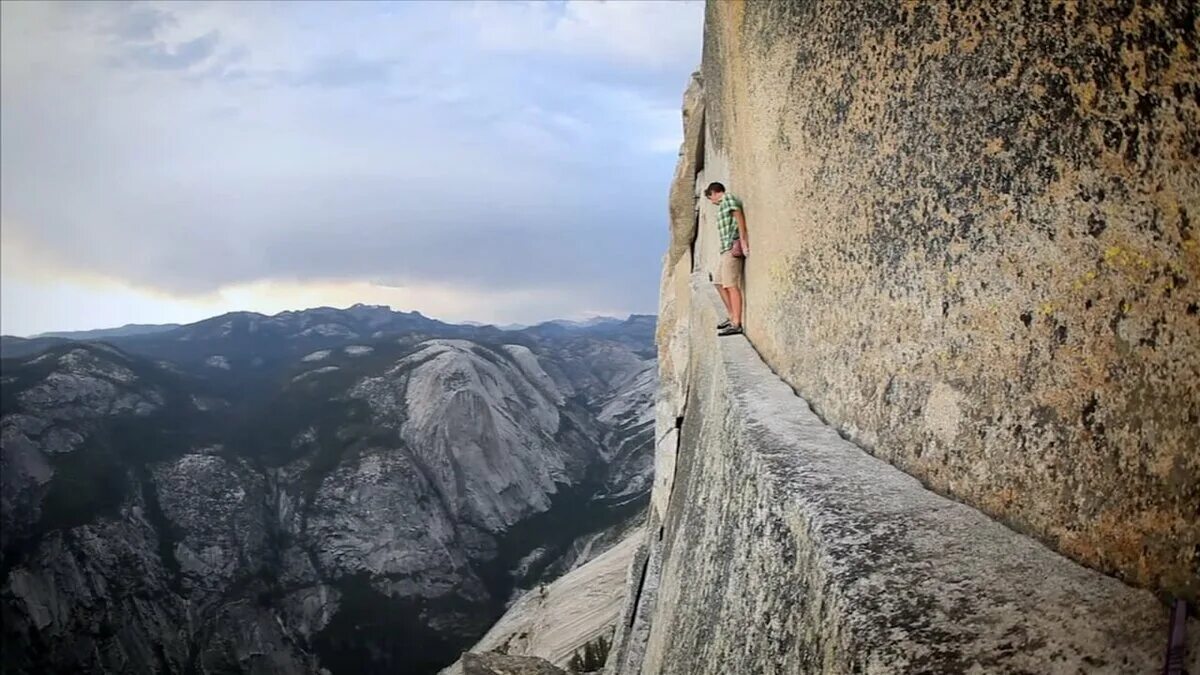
(732, 330)
(724, 324)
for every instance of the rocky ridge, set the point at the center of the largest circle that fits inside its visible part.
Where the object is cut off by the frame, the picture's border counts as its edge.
(553, 622)
(361, 511)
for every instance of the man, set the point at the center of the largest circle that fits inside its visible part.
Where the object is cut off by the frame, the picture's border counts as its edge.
(731, 228)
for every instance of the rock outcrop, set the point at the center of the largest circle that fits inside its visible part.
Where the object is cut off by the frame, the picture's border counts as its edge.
(503, 664)
(961, 431)
(555, 621)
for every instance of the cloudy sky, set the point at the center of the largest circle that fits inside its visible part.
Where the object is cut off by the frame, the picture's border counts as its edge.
(496, 162)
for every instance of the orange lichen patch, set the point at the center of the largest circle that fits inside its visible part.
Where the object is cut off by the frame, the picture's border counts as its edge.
(969, 43)
(1126, 261)
(1183, 66)
(1113, 162)
(1083, 280)
(1001, 501)
(1085, 92)
(1134, 60)
(1125, 542)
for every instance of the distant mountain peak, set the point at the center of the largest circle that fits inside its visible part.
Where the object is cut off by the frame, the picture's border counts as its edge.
(101, 333)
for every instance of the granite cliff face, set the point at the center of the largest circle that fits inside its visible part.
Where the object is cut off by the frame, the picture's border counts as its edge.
(960, 434)
(556, 620)
(360, 505)
(978, 258)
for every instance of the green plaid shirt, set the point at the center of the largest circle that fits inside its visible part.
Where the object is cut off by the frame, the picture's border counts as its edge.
(726, 223)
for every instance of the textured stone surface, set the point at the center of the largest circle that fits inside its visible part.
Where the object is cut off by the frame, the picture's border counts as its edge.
(503, 664)
(637, 612)
(482, 433)
(220, 509)
(556, 621)
(674, 294)
(975, 249)
(788, 549)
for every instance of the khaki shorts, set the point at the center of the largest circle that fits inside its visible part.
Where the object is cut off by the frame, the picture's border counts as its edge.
(729, 271)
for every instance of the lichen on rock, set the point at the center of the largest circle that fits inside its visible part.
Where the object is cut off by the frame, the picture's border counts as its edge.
(976, 250)
(965, 427)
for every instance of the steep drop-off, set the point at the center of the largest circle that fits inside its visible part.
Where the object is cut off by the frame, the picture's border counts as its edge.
(264, 503)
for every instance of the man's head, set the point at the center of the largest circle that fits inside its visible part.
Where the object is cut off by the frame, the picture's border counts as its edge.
(714, 192)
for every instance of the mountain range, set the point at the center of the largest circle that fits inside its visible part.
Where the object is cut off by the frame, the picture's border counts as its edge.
(356, 491)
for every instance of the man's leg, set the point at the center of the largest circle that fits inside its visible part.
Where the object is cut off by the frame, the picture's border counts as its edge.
(731, 278)
(719, 283)
(726, 322)
(735, 304)
(724, 293)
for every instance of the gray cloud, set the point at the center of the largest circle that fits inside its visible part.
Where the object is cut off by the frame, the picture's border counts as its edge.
(139, 23)
(181, 56)
(411, 157)
(343, 70)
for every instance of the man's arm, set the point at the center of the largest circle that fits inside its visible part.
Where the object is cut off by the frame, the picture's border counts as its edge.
(741, 223)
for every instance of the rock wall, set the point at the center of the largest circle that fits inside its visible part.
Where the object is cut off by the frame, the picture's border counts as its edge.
(975, 249)
(787, 549)
(555, 621)
(964, 425)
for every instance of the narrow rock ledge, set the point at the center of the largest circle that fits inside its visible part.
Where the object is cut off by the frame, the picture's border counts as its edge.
(787, 549)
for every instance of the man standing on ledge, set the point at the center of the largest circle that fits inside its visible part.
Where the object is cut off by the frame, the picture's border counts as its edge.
(735, 245)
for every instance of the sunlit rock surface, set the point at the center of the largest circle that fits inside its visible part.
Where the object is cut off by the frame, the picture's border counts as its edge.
(503, 664)
(554, 622)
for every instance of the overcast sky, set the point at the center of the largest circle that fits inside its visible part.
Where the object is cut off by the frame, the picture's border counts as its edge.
(496, 162)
